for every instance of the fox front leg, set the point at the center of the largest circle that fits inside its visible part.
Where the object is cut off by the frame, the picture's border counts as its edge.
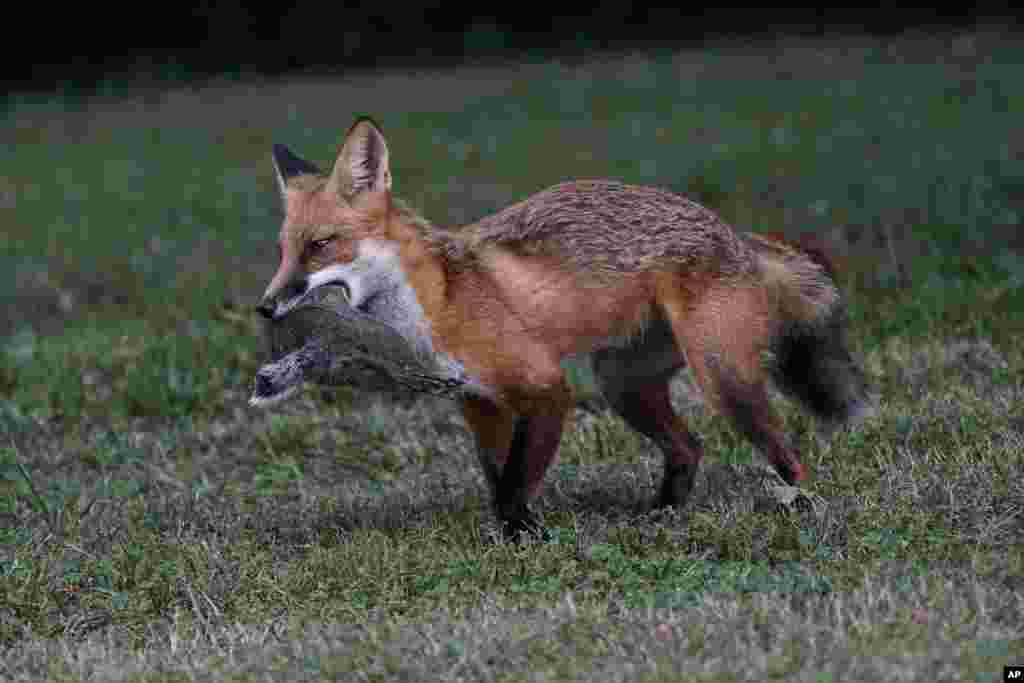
(514, 451)
(532, 450)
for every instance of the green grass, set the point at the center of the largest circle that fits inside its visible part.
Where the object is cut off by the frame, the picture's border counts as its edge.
(153, 527)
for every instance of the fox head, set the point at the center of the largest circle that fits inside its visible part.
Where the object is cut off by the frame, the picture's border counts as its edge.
(344, 229)
(339, 230)
(334, 223)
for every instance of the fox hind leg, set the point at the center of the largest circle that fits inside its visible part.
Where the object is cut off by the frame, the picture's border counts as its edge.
(726, 337)
(635, 381)
(750, 410)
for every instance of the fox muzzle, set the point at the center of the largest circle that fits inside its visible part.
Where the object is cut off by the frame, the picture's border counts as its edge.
(278, 302)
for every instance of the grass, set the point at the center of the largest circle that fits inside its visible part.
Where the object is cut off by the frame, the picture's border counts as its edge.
(155, 528)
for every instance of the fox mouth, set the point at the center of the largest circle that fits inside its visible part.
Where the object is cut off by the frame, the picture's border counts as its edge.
(283, 310)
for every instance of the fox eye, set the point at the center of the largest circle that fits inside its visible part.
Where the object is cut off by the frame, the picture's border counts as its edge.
(319, 245)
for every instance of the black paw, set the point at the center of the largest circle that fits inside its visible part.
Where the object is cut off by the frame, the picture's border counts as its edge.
(676, 486)
(523, 524)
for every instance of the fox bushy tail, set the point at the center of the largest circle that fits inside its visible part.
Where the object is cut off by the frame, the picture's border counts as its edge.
(809, 358)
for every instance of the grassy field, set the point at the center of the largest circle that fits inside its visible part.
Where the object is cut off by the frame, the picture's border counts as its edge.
(153, 527)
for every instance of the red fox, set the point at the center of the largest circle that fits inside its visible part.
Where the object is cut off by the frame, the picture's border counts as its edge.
(642, 280)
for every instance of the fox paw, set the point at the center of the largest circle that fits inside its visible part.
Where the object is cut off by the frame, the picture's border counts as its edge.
(523, 524)
(676, 486)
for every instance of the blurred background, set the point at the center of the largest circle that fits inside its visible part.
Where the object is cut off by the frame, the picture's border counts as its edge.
(138, 209)
(136, 42)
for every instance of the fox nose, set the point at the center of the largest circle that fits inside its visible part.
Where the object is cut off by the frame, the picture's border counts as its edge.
(266, 308)
(294, 289)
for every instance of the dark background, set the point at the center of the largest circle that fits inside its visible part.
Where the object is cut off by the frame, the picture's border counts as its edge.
(87, 45)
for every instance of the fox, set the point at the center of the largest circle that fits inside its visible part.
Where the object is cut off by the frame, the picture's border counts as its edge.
(639, 280)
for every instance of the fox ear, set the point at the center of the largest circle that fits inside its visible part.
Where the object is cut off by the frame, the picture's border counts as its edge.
(287, 166)
(362, 164)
